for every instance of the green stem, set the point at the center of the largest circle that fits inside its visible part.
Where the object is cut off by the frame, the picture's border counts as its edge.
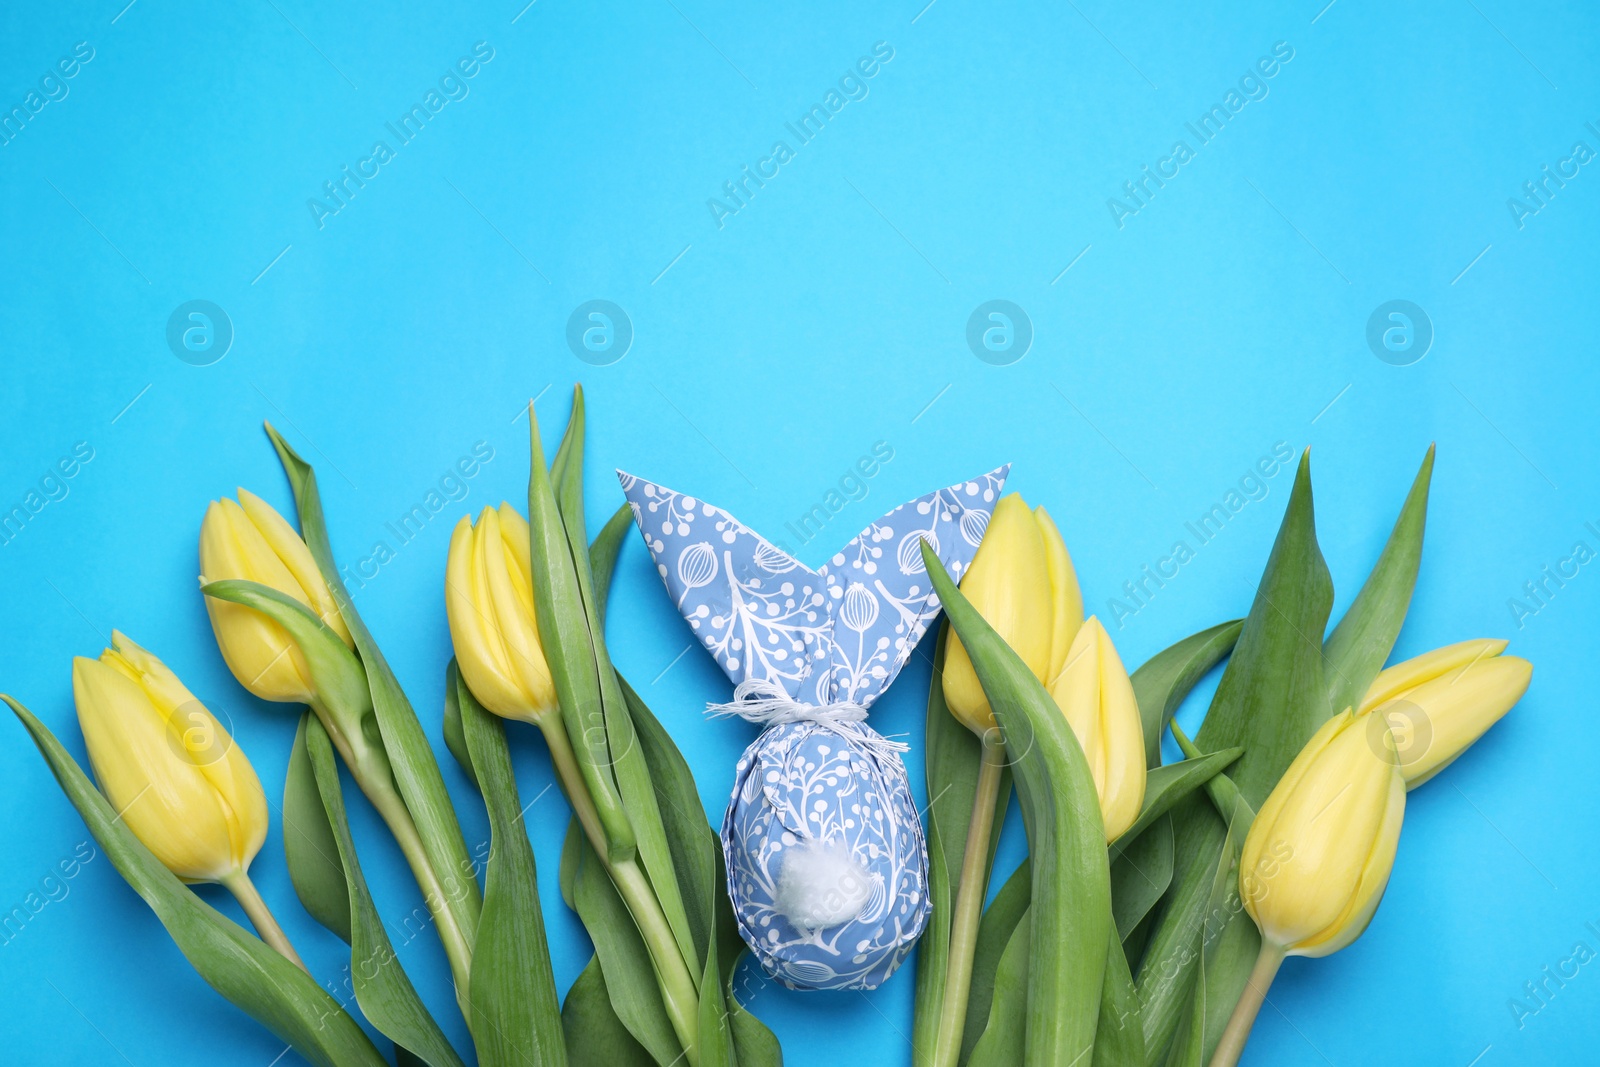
(1244, 1012)
(387, 801)
(678, 987)
(244, 890)
(371, 769)
(570, 775)
(969, 902)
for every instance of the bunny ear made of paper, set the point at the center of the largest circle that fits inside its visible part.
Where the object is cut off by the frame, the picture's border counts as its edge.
(760, 612)
(881, 598)
(841, 633)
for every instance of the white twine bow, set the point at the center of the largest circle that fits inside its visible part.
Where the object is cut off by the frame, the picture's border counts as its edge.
(765, 703)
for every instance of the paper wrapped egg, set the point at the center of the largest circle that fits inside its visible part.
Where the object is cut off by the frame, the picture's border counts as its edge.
(827, 865)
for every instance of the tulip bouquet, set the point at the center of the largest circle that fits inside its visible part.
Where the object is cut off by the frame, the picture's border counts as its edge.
(1157, 904)
(1159, 901)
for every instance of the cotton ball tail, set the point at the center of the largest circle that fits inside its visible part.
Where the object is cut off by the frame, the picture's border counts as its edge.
(821, 885)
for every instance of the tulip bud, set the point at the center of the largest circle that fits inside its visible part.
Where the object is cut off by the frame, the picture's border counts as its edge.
(1318, 855)
(1094, 692)
(1022, 583)
(249, 540)
(167, 766)
(1439, 703)
(488, 597)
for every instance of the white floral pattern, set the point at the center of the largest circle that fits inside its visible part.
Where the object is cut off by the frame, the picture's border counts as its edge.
(836, 635)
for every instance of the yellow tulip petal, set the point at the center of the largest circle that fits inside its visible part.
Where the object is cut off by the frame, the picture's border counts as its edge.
(1066, 598)
(512, 619)
(476, 628)
(1096, 697)
(1009, 584)
(1122, 730)
(535, 669)
(1444, 716)
(291, 550)
(258, 651)
(1374, 878)
(1394, 681)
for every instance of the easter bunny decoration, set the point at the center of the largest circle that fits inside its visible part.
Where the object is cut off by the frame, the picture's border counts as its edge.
(827, 866)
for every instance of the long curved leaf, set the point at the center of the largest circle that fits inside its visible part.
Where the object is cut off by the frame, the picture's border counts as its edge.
(273, 991)
(1141, 872)
(566, 636)
(416, 771)
(1168, 785)
(1356, 650)
(1119, 1040)
(1166, 678)
(1071, 910)
(515, 1015)
(595, 1036)
(1004, 1040)
(309, 845)
(1272, 697)
(628, 766)
(999, 922)
(624, 958)
(384, 991)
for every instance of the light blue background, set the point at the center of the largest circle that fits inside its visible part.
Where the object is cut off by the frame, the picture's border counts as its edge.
(827, 315)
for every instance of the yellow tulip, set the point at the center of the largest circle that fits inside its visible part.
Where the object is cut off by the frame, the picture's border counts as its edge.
(1022, 583)
(1439, 703)
(1094, 692)
(249, 540)
(167, 765)
(1318, 855)
(488, 596)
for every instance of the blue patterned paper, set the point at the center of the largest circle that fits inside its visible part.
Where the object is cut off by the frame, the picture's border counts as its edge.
(833, 639)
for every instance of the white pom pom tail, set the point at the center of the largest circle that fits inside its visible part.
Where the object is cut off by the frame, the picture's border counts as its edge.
(820, 884)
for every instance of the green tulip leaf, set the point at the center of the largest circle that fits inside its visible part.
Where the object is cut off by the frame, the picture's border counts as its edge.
(455, 738)
(336, 673)
(603, 558)
(1356, 650)
(309, 845)
(1167, 677)
(1119, 1039)
(1009, 907)
(515, 1014)
(624, 959)
(1273, 695)
(1071, 898)
(595, 1036)
(716, 1035)
(1004, 1040)
(566, 636)
(384, 991)
(694, 852)
(1141, 872)
(237, 964)
(1231, 805)
(567, 875)
(628, 766)
(952, 759)
(410, 755)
